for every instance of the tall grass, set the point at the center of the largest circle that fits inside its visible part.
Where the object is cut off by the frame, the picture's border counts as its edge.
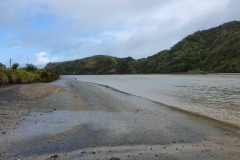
(11, 76)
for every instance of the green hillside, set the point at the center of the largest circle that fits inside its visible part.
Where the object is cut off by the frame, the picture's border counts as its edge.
(213, 50)
(99, 64)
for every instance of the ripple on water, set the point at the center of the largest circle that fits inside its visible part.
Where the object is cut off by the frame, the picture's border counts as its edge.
(217, 96)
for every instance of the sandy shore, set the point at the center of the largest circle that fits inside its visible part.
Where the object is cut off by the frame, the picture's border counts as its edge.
(68, 119)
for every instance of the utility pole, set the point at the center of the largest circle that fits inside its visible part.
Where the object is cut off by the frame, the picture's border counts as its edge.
(10, 63)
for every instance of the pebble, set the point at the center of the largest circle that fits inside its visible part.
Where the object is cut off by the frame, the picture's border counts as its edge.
(113, 158)
(53, 157)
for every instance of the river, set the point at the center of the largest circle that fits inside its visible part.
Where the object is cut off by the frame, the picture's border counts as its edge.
(214, 95)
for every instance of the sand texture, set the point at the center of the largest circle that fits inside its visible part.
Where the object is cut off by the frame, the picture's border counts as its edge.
(69, 119)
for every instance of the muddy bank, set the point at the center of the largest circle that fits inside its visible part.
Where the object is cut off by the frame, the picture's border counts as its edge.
(76, 120)
(16, 102)
(33, 91)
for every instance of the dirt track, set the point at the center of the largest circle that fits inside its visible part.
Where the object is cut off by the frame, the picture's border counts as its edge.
(69, 119)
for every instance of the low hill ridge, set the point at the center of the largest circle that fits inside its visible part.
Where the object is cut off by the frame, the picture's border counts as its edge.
(213, 50)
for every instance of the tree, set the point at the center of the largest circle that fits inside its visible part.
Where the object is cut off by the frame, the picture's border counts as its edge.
(2, 66)
(30, 67)
(15, 66)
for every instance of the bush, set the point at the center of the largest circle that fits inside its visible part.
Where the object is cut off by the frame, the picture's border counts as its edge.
(48, 75)
(23, 76)
(15, 66)
(30, 68)
(3, 78)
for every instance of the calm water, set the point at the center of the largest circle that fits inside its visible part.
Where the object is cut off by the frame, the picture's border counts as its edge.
(216, 96)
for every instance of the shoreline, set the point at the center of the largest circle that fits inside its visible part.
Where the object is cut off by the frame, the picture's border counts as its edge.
(78, 120)
(218, 102)
(223, 124)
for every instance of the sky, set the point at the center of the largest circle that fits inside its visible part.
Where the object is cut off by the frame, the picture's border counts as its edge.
(42, 31)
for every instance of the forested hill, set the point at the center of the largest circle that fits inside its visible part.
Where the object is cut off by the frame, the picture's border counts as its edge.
(99, 64)
(213, 50)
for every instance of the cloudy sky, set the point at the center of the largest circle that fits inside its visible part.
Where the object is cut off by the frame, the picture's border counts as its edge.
(39, 31)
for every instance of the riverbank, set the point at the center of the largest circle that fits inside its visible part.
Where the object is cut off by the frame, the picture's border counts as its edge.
(20, 76)
(213, 96)
(69, 119)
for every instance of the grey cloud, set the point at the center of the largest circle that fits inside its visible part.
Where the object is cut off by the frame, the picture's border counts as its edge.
(117, 27)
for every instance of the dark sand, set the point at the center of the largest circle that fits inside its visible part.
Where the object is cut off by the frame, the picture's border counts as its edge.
(69, 119)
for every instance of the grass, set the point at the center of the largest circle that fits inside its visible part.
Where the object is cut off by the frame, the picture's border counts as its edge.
(12, 76)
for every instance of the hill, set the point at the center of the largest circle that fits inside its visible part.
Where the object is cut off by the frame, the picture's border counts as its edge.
(213, 50)
(99, 64)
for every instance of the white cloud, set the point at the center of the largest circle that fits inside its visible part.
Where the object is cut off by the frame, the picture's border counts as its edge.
(42, 58)
(117, 27)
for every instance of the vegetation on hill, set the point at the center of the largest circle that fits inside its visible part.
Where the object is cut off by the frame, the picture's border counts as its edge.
(213, 50)
(28, 74)
(99, 64)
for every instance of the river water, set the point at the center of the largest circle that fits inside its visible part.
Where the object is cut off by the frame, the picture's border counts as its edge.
(215, 96)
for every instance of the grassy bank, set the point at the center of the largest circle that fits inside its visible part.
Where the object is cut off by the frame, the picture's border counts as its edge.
(11, 76)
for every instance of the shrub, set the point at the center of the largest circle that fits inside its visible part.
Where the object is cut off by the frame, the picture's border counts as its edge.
(24, 76)
(30, 68)
(48, 75)
(3, 78)
(15, 66)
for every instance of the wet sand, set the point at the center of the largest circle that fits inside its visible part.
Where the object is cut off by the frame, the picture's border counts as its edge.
(68, 119)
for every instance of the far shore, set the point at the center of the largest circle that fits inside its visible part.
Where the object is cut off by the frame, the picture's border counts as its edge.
(155, 74)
